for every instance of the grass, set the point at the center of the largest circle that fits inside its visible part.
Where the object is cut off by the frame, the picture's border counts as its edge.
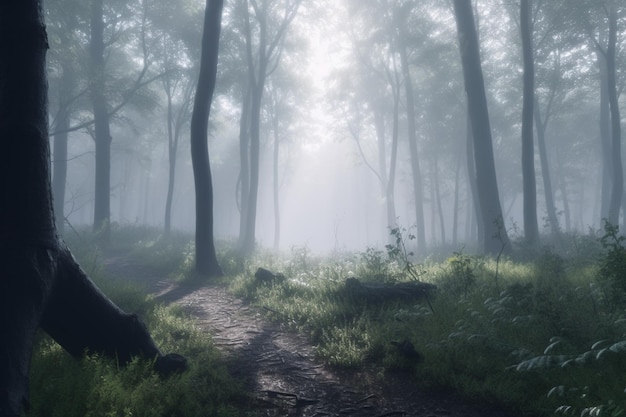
(545, 336)
(95, 386)
(543, 332)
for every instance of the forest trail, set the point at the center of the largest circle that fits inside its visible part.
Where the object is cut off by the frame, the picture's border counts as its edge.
(279, 367)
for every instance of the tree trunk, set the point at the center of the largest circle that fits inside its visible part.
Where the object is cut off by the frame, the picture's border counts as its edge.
(249, 239)
(102, 138)
(269, 50)
(562, 184)
(418, 188)
(605, 138)
(471, 178)
(392, 220)
(531, 226)
(545, 170)
(455, 205)
(386, 180)
(244, 161)
(442, 225)
(41, 283)
(616, 138)
(275, 182)
(206, 258)
(172, 147)
(495, 237)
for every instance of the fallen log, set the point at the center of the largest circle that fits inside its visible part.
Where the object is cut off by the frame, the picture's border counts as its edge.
(379, 292)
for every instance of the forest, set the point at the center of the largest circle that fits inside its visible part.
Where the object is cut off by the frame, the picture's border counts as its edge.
(351, 115)
(422, 199)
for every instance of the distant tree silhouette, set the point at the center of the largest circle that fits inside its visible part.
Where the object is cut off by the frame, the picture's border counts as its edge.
(495, 236)
(40, 282)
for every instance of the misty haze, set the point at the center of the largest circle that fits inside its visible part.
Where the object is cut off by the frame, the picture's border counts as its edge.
(307, 208)
(328, 102)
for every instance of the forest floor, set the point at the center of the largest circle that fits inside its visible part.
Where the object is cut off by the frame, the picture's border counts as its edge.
(279, 367)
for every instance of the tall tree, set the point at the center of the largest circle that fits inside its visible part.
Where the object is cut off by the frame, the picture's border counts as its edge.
(607, 15)
(418, 188)
(616, 136)
(102, 131)
(42, 285)
(272, 21)
(495, 237)
(531, 226)
(206, 258)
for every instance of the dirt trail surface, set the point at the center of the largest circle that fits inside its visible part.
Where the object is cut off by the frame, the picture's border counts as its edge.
(279, 367)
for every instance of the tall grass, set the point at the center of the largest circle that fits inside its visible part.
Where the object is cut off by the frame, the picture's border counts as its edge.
(546, 335)
(543, 332)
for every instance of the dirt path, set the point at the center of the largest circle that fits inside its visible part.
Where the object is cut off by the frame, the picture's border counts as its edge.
(280, 369)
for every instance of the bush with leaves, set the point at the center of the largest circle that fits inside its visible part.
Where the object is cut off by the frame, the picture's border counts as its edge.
(613, 266)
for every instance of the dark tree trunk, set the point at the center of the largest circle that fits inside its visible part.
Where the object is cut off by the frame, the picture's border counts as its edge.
(616, 138)
(206, 258)
(41, 283)
(531, 226)
(495, 237)
(102, 133)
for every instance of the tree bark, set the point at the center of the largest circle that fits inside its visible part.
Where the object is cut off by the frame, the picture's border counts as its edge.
(531, 226)
(41, 283)
(206, 258)
(495, 237)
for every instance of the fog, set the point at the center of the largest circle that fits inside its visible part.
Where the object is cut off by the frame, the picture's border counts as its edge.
(334, 76)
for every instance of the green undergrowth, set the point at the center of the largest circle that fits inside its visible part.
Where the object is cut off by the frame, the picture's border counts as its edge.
(545, 335)
(95, 386)
(542, 331)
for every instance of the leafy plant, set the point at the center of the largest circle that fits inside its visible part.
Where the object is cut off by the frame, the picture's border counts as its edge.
(399, 253)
